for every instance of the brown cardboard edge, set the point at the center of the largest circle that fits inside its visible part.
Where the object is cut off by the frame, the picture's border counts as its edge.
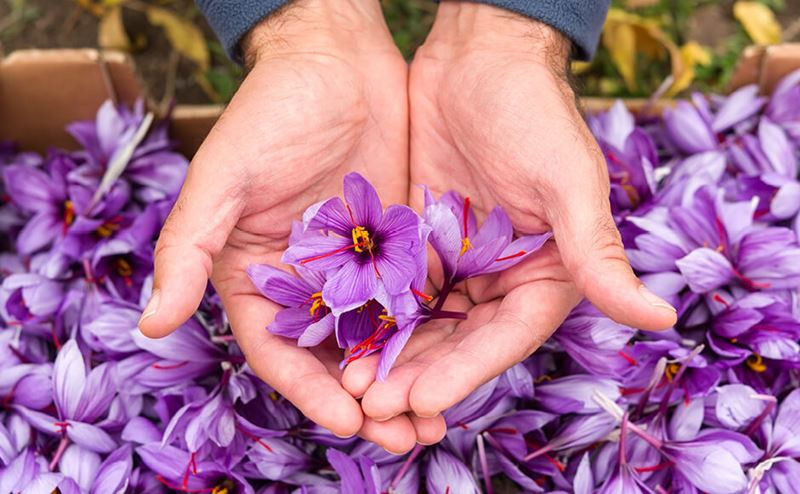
(779, 61)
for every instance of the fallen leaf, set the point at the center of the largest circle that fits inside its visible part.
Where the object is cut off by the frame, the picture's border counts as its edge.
(759, 22)
(692, 54)
(619, 39)
(111, 31)
(579, 67)
(183, 35)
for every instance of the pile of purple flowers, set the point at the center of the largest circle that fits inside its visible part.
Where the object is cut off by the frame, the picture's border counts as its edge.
(706, 198)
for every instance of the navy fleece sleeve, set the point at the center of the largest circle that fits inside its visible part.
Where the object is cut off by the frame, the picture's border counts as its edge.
(232, 19)
(580, 20)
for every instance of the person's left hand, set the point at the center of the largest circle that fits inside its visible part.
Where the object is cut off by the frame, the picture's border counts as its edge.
(494, 118)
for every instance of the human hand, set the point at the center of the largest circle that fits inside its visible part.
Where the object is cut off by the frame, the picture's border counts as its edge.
(493, 117)
(326, 95)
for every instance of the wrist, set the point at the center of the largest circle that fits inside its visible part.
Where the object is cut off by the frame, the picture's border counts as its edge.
(465, 26)
(318, 26)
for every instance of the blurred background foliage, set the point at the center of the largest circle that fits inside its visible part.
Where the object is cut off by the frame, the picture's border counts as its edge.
(648, 47)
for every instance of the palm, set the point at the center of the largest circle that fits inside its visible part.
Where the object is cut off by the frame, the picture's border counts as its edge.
(465, 141)
(333, 126)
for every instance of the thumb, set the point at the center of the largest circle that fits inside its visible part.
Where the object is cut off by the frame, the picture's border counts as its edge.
(195, 231)
(591, 249)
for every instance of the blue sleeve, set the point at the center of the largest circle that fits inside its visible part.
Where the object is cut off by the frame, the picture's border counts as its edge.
(232, 19)
(579, 20)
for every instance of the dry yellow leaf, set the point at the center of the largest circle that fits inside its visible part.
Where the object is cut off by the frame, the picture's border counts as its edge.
(619, 39)
(111, 31)
(692, 54)
(182, 35)
(579, 67)
(759, 22)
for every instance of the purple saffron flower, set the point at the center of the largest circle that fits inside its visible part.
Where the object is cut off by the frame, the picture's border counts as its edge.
(783, 108)
(81, 399)
(29, 298)
(305, 316)
(630, 156)
(467, 251)
(44, 193)
(446, 474)
(365, 247)
(362, 477)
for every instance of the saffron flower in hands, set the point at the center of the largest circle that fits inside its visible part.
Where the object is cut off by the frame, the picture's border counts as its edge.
(362, 269)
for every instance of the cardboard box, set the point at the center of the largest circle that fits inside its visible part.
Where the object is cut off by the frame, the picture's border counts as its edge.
(41, 91)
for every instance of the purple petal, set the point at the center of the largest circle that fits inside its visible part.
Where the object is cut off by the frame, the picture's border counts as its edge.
(695, 461)
(349, 473)
(736, 406)
(686, 421)
(39, 232)
(31, 189)
(329, 215)
(780, 153)
(517, 251)
(69, 379)
(279, 286)
(705, 269)
(90, 437)
(584, 479)
(448, 475)
(351, 287)
(739, 105)
(317, 332)
(363, 200)
(390, 352)
(687, 129)
(445, 235)
(80, 465)
(114, 473)
(319, 252)
(786, 201)
(290, 323)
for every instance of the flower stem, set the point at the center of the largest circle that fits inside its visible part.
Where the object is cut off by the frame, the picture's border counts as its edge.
(446, 314)
(487, 479)
(406, 465)
(443, 293)
(62, 446)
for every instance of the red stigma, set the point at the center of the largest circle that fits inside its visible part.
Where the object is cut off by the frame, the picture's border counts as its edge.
(654, 468)
(255, 438)
(466, 216)
(168, 366)
(328, 254)
(718, 298)
(421, 295)
(627, 357)
(512, 256)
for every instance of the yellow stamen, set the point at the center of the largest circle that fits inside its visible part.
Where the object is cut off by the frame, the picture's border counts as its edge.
(465, 246)
(123, 267)
(389, 320)
(69, 212)
(226, 487)
(107, 228)
(734, 340)
(274, 396)
(542, 378)
(316, 304)
(756, 362)
(671, 370)
(361, 239)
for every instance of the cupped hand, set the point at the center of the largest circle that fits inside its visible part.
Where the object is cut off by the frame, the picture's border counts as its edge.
(326, 95)
(494, 118)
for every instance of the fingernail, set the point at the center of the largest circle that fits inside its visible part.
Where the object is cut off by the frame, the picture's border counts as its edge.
(342, 437)
(654, 299)
(152, 306)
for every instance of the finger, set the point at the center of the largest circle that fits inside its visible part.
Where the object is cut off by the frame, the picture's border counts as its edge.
(195, 231)
(295, 372)
(386, 399)
(429, 430)
(360, 374)
(397, 436)
(592, 251)
(518, 327)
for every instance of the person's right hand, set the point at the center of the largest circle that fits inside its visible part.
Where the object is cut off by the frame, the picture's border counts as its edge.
(326, 95)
